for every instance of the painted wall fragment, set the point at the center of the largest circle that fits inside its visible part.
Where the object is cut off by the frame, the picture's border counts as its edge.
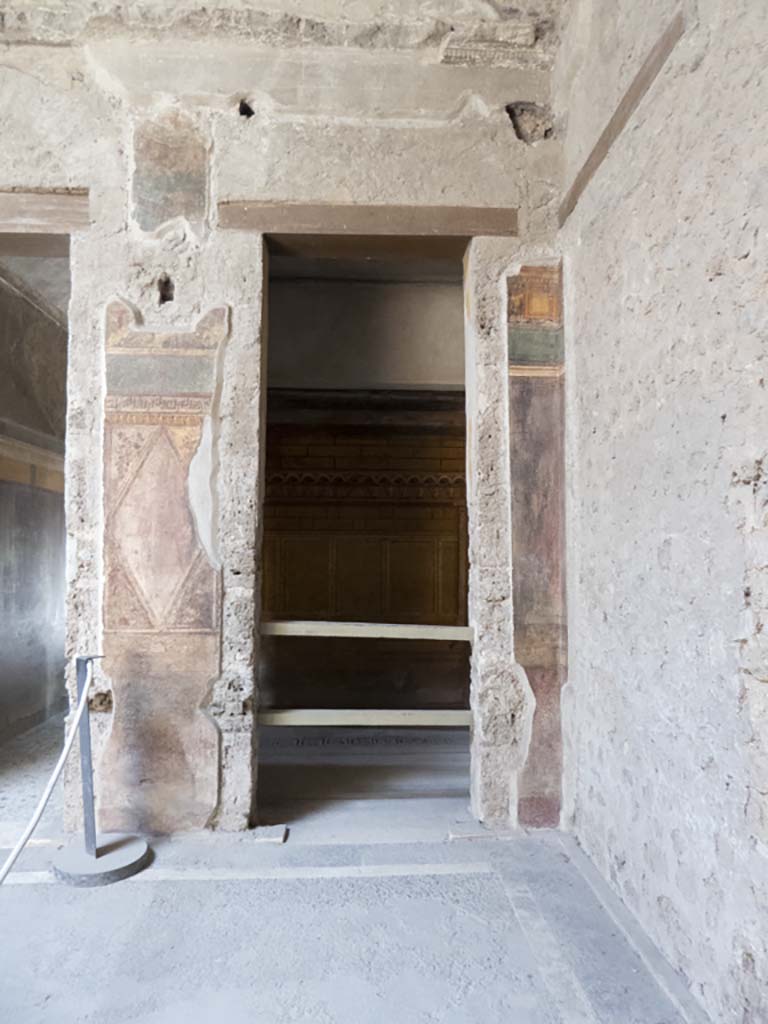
(162, 594)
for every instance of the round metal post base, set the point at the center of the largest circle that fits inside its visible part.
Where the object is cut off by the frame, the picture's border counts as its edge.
(118, 857)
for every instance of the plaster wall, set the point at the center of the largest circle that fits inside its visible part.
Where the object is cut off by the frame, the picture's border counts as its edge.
(346, 334)
(665, 712)
(356, 125)
(141, 107)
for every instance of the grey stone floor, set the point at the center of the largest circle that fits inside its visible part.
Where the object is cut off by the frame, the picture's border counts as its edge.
(387, 904)
(26, 762)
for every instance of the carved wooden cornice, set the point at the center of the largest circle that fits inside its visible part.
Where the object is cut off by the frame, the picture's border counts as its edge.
(334, 485)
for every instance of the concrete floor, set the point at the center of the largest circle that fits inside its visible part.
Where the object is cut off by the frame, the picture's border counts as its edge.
(387, 904)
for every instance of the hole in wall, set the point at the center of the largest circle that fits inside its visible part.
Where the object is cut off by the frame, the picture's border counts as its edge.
(165, 289)
(100, 702)
(245, 109)
(530, 122)
(543, 28)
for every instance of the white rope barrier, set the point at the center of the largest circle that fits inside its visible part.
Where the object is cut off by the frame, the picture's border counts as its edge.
(35, 819)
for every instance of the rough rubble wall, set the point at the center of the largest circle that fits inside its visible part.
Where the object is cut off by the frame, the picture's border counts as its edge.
(462, 28)
(665, 712)
(393, 117)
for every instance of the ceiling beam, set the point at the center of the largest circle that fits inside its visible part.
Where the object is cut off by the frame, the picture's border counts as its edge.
(29, 244)
(44, 213)
(312, 219)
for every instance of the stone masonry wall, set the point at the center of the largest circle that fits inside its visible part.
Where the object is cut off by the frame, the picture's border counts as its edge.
(666, 709)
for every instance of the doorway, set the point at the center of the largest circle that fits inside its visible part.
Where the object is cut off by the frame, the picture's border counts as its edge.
(364, 665)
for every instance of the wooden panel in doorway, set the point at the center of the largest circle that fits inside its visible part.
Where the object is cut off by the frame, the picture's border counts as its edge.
(365, 520)
(340, 577)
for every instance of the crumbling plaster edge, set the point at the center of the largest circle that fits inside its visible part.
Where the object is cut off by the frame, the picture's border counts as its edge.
(502, 715)
(84, 505)
(239, 433)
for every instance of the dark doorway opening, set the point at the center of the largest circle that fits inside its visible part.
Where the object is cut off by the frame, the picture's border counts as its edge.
(364, 523)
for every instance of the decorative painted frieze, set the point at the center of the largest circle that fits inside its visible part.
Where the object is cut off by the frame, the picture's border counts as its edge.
(534, 314)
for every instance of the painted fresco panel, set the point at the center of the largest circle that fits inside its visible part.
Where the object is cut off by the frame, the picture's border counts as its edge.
(162, 594)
